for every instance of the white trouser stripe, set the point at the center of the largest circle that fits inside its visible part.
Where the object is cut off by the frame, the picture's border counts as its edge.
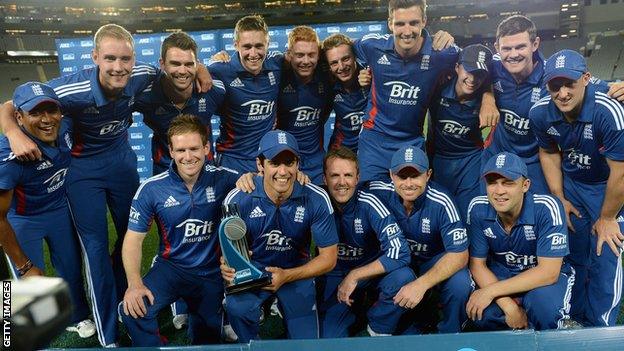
(617, 289)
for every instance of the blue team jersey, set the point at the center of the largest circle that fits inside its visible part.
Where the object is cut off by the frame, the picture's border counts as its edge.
(280, 235)
(401, 90)
(188, 221)
(303, 109)
(597, 134)
(367, 231)
(456, 131)
(38, 186)
(349, 108)
(514, 100)
(434, 225)
(540, 231)
(249, 109)
(158, 112)
(100, 125)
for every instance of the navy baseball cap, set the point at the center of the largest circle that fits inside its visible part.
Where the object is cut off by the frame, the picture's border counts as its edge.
(28, 95)
(476, 57)
(276, 141)
(565, 63)
(506, 164)
(409, 156)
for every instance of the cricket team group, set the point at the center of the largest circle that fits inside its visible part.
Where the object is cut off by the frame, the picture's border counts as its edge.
(390, 231)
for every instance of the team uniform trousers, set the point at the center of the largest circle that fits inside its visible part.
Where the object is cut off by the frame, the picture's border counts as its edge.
(460, 176)
(93, 183)
(454, 294)
(597, 294)
(312, 166)
(169, 283)
(546, 307)
(296, 301)
(375, 151)
(383, 317)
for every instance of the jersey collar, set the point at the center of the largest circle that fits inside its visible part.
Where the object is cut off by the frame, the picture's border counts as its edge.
(349, 206)
(173, 173)
(418, 203)
(98, 93)
(527, 214)
(535, 78)
(159, 94)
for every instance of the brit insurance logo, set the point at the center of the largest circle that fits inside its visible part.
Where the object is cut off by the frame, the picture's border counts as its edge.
(56, 180)
(196, 230)
(349, 253)
(453, 128)
(391, 230)
(417, 248)
(514, 123)
(402, 93)
(276, 241)
(259, 109)
(306, 116)
(354, 119)
(558, 241)
(114, 127)
(519, 261)
(134, 215)
(578, 159)
(459, 235)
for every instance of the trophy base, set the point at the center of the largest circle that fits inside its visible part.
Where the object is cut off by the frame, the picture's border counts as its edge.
(248, 285)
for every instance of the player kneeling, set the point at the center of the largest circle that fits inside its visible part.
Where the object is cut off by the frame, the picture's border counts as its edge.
(185, 202)
(525, 283)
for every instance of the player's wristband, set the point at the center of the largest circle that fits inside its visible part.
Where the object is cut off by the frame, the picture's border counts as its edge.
(24, 268)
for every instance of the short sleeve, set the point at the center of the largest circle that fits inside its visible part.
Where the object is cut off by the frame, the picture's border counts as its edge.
(394, 248)
(360, 51)
(611, 127)
(323, 226)
(479, 246)
(536, 124)
(10, 171)
(552, 238)
(452, 229)
(141, 211)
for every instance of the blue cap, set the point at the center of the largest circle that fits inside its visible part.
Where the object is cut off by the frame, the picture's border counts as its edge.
(506, 164)
(28, 95)
(409, 156)
(565, 63)
(276, 141)
(476, 57)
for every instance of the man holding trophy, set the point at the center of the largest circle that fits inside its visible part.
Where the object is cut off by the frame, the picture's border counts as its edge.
(185, 201)
(281, 218)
